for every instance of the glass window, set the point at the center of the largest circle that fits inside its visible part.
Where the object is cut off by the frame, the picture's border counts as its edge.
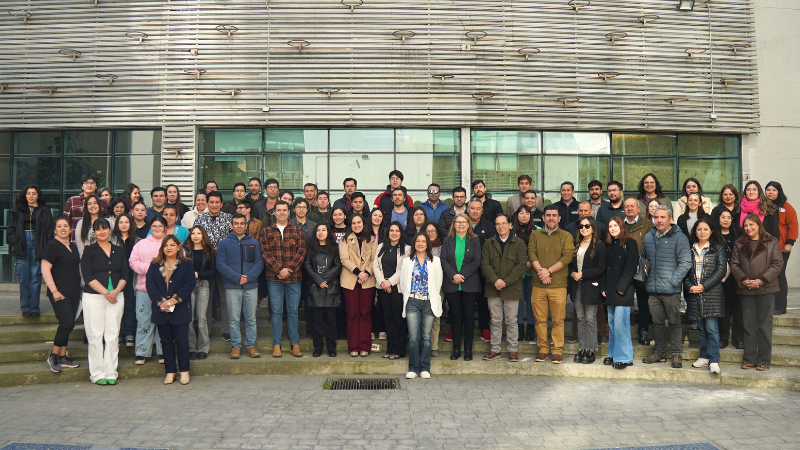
(712, 173)
(295, 140)
(77, 166)
(44, 172)
(5, 206)
(5, 174)
(564, 143)
(500, 172)
(629, 172)
(227, 170)
(422, 169)
(37, 143)
(700, 145)
(580, 170)
(288, 170)
(371, 171)
(88, 141)
(228, 141)
(141, 170)
(428, 141)
(138, 141)
(6, 261)
(486, 141)
(644, 144)
(5, 143)
(362, 141)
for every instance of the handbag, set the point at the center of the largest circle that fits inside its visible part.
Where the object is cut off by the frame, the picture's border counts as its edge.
(643, 270)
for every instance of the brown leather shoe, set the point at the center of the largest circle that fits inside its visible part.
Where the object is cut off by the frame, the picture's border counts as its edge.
(491, 356)
(296, 350)
(235, 353)
(513, 357)
(557, 359)
(276, 351)
(253, 353)
(541, 357)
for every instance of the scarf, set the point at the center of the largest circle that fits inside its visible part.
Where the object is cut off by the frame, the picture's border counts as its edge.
(748, 207)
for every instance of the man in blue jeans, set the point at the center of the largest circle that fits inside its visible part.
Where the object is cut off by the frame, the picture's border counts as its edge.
(239, 262)
(284, 248)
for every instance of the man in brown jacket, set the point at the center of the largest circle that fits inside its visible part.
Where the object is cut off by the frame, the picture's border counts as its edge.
(550, 251)
(638, 227)
(504, 260)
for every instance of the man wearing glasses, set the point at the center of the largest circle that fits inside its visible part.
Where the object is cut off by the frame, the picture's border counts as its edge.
(211, 186)
(272, 189)
(384, 201)
(433, 207)
(73, 210)
(239, 193)
(245, 207)
(459, 206)
(615, 206)
(301, 209)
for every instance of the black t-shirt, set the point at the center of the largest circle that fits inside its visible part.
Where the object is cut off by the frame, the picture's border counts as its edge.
(389, 262)
(66, 267)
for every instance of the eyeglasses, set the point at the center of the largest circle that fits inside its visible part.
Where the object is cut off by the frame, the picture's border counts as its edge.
(301, 207)
(156, 227)
(90, 183)
(394, 179)
(213, 188)
(433, 191)
(502, 224)
(241, 191)
(584, 227)
(430, 232)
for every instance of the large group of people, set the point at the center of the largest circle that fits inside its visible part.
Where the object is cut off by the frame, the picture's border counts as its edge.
(161, 274)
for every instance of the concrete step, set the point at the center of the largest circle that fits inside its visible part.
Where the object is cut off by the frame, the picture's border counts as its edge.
(780, 378)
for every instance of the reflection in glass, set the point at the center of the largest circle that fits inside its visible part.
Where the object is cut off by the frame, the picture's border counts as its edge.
(704, 145)
(5, 174)
(227, 170)
(428, 141)
(235, 140)
(37, 143)
(485, 141)
(362, 141)
(287, 169)
(138, 141)
(5, 143)
(629, 171)
(422, 169)
(6, 263)
(5, 206)
(77, 166)
(295, 140)
(45, 172)
(644, 144)
(371, 171)
(712, 173)
(593, 143)
(88, 141)
(141, 170)
(500, 172)
(580, 170)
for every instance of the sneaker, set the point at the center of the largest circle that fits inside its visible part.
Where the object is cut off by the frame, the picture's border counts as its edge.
(226, 337)
(541, 357)
(101, 382)
(382, 335)
(411, 375)
(486, 336)
(700, 363)
(449, 337)
(139, 360)
(263, 303)
(52, 361)
(676, 361)
(67, 363)
(129, 342)
(714, 368)
(425, 375)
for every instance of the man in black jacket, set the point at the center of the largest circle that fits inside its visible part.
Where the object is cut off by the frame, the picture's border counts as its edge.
(615, 207)
(459, 206)
(595, 192)
(384, 201)
(491, 208)
(484, 230)
(567, 206)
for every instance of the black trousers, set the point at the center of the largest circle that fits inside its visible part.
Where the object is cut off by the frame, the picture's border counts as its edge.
(462, 314)
(731, 325)
(322, 324)
(396, 325)
(757, 313)
(65, 313)
(780, 296)
(642, 298)
(173, 336)
(378, 319)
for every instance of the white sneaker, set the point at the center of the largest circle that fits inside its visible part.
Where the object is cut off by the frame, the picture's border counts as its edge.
(425, 375)
(700, 363)
(411, 375)
(714, 368)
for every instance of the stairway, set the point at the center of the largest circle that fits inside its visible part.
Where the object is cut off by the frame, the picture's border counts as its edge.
(26, 342)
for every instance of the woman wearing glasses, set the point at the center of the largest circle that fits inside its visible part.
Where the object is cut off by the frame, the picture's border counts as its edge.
(142, 255)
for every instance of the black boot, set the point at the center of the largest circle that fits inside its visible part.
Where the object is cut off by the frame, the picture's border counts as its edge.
(588, 357)
(644, 339)
(521, 329)
(531, 334)
(455, 355)
(579, 357)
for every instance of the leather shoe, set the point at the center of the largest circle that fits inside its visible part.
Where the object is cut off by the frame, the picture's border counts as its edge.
(202, 355)
(579, 357)
(541, 357)
(557, 359)
(296, 350)
(235, 353)
(276, 351)
(467, 355)
(491, 356)
(455, 355)
(608, 361)
(723, 344)
(644, 339)
(192, 355)
(738, 345)
(332, 353)
(621, 365)
(513, 357)
(253, 353)
(317, 353)
(588, 357)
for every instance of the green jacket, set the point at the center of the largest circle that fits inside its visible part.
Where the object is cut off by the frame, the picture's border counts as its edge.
(508, 266)
(548, 250)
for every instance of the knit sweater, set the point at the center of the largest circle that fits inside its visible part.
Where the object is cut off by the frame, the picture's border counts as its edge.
(549, 249)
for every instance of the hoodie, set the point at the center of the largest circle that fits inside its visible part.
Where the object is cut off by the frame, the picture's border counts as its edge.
(189, 218)
(142, 255)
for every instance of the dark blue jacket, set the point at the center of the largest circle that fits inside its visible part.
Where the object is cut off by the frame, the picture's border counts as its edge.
(434, 213)
(181, 284)
(236, 258)
(670, 259)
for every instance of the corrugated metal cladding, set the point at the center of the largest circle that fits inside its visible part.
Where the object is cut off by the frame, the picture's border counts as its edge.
(183, 64)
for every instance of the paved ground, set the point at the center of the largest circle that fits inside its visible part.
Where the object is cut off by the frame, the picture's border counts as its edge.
(481, 412)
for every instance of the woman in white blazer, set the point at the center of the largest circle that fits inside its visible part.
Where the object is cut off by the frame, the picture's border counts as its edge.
(386, 268)
(420, 283)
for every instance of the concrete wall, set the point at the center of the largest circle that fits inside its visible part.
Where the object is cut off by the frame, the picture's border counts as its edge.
(774, 154)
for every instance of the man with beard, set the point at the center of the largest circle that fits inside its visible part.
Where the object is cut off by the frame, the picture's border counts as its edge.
(595, 191)
(491, 208)
(615, 206)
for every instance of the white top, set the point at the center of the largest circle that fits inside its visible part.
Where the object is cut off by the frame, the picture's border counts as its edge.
(435, 277)
(581, 254)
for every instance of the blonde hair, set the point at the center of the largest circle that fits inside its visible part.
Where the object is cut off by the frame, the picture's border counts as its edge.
(470, 234)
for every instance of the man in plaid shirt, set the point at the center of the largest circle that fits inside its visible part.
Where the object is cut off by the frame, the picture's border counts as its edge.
(284, 248)
(73, 210)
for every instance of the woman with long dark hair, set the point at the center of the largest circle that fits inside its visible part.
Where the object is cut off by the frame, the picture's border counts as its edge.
(728, 201)
(337, 224)
(692, 185)
(756, 263)
(432, 230)
(788, 226)
(61, 269)
(358, 205)
(694, 211)
(357, 252)
(141, 257)
(84, 230)
(30, 228)
(199, 250)
(756, 202)
(116, 208)
(131, 196)
(705, 300)
(731, 324)
(174, 198)
(416, 219)
(378, 318)
(386, 267)
(522, 227)
(586, 272)
(124, 237)
(139, 215)
(323, 267)
(650, 189)
(622, 258)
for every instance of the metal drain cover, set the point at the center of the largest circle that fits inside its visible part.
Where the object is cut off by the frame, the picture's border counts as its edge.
(363, 384)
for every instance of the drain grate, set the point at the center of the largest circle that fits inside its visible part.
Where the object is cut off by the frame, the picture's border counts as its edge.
(362, 384)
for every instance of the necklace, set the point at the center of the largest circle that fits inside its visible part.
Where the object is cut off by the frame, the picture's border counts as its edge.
(166, 266)
(587, 240)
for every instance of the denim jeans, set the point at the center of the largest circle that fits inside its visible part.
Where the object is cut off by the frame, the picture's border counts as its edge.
(277, 292)
(525, 304)
(420, 323)
(146, 332)
(238, 302)
(198, 334)
(708, 332)
(620, 346)
(29, 275)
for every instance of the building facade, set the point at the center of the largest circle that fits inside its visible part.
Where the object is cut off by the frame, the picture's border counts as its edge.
(181, 92)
